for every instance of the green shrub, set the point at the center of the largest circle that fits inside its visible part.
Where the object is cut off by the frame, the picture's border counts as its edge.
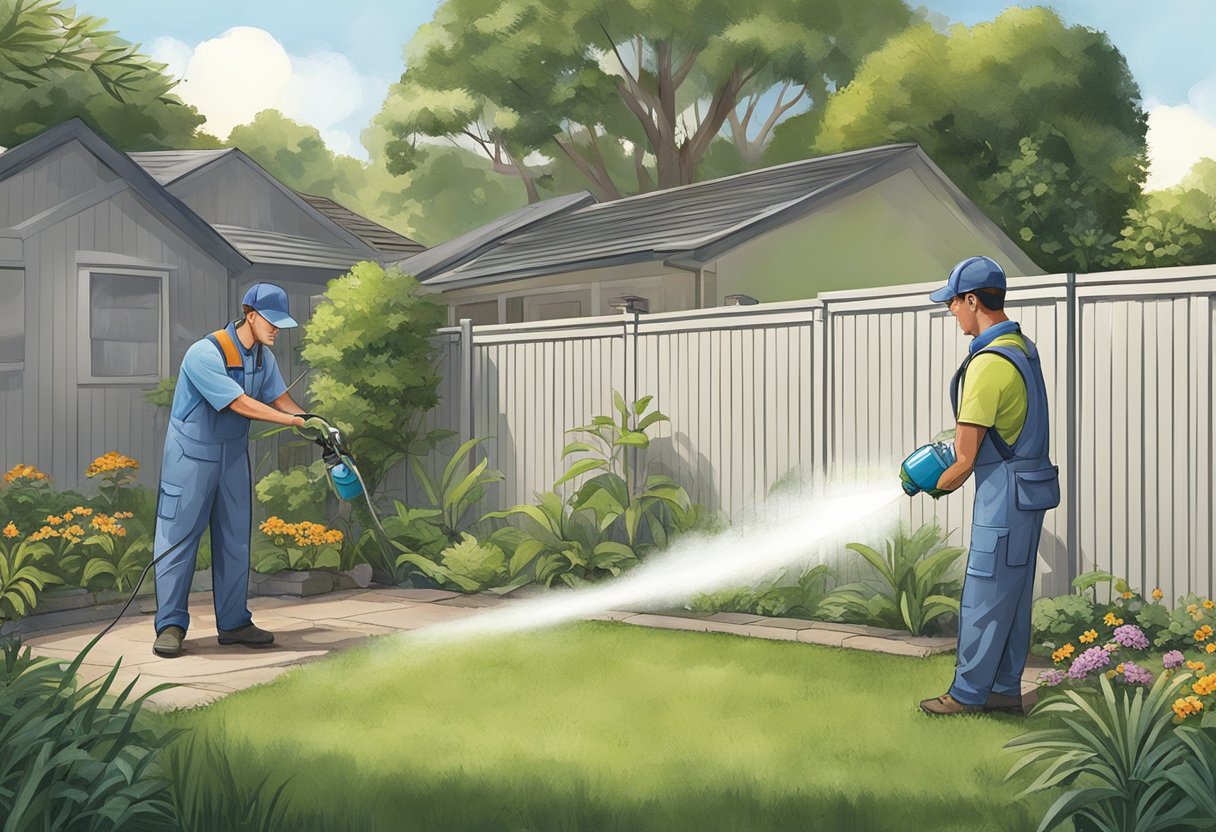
(470, 565)
(809, 596)
(451, 495)
(1123, 761)
(724, 600)
(299, 493)
(914, 590)
(22, 576)
(1056, 621)
(76, 757)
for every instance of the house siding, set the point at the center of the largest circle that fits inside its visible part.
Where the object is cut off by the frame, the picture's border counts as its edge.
(897, 231)
(64, 424)
(63, 173)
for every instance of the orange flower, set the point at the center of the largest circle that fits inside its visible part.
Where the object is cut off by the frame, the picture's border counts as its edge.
(10, 531)
(1158, 594)
(23, 472)
(110, 462)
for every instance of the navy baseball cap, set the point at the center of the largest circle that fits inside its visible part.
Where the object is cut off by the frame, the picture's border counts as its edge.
(271, 303)
(969, 275)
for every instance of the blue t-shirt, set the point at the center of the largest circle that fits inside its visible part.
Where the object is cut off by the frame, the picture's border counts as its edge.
(204, 378)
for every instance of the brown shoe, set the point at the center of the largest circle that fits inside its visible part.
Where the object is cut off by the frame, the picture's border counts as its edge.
(1004, 703)
(947, 705)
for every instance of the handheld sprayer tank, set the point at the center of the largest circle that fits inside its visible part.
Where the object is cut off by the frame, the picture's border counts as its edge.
(342, 476)
(925, 466)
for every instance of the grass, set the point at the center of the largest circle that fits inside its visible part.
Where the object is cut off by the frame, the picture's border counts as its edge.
(601, 726)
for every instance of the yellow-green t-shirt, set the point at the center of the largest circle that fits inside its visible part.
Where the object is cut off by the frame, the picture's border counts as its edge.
(994, 394)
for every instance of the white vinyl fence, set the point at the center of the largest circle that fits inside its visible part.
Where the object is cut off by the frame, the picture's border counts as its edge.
(854, 381)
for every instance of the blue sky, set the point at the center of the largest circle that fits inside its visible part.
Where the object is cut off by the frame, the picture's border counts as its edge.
(337, 59)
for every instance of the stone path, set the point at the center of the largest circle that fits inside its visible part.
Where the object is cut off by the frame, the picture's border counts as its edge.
(309, 628)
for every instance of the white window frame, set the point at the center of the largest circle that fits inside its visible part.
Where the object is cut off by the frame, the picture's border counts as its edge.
(18, 366)
(84, 351)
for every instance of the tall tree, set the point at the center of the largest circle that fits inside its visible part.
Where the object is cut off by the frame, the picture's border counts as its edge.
(55, 65)
(532, 80)
(1039, 123)
(297, 155)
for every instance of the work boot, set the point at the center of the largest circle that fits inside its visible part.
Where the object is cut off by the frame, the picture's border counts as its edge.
(947, 705)
(250, 634)
(1004, 703)
(168, 642)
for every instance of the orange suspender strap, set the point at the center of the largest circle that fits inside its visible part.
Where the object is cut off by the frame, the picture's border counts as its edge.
(232, 357)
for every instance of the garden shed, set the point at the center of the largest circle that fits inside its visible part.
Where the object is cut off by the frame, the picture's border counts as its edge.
(112, 264)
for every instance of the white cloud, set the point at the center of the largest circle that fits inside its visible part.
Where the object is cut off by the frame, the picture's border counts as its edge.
(1179, 136)
(232, 78)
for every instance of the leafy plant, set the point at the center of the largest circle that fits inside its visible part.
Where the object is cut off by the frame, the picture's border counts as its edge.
(470, 565)
(298, 493)
(1119, 750)
(161, 395)
(452, 495)
(659, 507)
(1057, 620)
(298, 546)
(914, 591)
(76, 757)
(808, 597)
(208, 795)
(117, 472)
(22, 578)
(117, 559)
(564, 543)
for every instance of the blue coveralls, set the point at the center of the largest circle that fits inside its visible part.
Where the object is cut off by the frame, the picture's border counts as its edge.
(1014, 488)
(205, 479)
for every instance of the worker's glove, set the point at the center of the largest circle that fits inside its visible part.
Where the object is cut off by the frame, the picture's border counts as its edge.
(938, 492)
(317, 429)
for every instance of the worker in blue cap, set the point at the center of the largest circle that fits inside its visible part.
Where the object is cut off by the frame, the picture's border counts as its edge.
(227, 379)
(1000, 407)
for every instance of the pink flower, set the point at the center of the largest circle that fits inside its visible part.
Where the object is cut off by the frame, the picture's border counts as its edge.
(1172, 659)
(1089, 661)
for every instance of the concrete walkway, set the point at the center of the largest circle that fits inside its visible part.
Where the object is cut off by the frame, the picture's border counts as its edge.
(309, 628)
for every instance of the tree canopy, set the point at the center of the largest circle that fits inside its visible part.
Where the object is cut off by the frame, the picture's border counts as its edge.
(1038, 122)
(654, 83)
(55, 65)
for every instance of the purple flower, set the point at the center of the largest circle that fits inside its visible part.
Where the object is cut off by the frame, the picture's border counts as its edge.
(1172, 659)
(1089, 661)
(1129, 635)
(1134, 674)
(1051, 678)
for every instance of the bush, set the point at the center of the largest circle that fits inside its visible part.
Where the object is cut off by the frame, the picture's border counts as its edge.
(299, 493)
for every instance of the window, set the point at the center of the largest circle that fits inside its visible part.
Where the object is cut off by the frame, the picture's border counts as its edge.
(124, 322)
(12, 319)
(480, 313)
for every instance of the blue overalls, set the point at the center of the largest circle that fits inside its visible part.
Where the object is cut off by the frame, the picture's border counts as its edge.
(1014, 488)
(206, 480)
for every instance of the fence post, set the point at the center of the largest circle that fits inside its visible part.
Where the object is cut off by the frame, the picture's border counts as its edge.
(465, 429)
(1074, 455)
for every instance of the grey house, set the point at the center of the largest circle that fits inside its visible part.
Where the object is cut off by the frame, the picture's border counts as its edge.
(863, 219)
(112, 264)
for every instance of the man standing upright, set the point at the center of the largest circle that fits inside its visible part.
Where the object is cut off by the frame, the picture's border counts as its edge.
(1000, 406)
(226, 379)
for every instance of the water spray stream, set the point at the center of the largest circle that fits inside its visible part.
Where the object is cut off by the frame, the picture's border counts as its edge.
(697, 564)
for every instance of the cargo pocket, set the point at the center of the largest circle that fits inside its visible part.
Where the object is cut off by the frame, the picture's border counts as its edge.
(170, 494)
(201, 451)
(987, 544)
(1038, 490)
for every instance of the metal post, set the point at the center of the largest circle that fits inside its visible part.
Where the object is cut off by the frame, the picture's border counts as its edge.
(466, 383)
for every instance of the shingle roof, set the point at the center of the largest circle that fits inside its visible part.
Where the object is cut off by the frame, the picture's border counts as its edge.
(460, 249)
(170, 165)
(375, 235)
(260, 246)
(663, 224)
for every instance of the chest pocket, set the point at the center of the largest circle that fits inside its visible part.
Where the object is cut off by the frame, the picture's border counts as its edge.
(1038, 490)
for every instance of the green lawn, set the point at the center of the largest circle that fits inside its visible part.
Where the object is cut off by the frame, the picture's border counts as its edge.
(601, 726)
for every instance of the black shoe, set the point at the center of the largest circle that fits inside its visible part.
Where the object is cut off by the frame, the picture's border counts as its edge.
(168, 642)
(250, 634)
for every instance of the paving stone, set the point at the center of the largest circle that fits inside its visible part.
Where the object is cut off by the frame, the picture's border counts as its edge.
(355, 626)
(182, 697)
(415, 617)
(610, 615)
(735, 618)
(856, 629)
(699, 616)
(885, 645)
(379, 596)
(774, 633)
(345, 608)
(817, 635)
(418, 594)
(676, 622)
(479, 601)
(789, 623)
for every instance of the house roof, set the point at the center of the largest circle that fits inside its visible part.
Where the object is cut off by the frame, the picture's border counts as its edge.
(167, 166)
(689, 224)
(458, 250)
(375, 235)
(140, 180)
(260, 246)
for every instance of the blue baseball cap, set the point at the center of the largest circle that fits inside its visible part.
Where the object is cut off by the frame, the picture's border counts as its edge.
(271, 303)
(969, 275)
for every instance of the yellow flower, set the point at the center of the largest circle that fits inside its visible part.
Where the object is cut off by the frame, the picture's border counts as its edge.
(1127, 595)
(1192, 608)
(1110, 620)
(1208, 604)
(23, 472)
(10, 531)
(82, 511)
(1187, 706)
(1196, 667)
(1118, 669)
(1211, 648)
(1203, 633)
(1062, 654)
(1205, 685)
(1158, 594)
(110, 462)
(1088, 637)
